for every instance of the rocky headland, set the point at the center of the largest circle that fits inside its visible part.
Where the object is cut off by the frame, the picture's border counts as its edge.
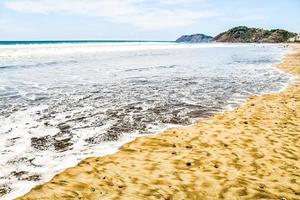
(243, 34)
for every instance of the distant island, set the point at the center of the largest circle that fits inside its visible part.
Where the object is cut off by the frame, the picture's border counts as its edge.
(195, 38)
(244, 34)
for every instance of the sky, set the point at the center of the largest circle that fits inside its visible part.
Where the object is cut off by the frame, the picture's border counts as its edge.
(139, 19)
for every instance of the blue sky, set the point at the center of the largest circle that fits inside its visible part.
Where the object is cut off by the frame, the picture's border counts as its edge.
(139, 19)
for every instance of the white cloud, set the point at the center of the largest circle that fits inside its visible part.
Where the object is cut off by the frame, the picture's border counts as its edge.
(140, 13)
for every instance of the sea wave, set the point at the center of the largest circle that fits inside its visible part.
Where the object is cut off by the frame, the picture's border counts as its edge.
(74, 101)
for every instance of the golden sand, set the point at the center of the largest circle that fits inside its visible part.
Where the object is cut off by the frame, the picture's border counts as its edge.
(249, 153)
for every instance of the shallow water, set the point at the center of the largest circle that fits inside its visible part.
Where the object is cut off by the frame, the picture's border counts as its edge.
(60, 103)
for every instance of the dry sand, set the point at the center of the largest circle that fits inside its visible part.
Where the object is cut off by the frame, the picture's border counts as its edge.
(249, 153)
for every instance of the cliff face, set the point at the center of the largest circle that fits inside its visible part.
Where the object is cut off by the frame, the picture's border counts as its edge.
(195, 38)
(244, 34)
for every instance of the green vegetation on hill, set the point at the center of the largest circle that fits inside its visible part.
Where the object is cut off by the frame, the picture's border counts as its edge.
(244, 34)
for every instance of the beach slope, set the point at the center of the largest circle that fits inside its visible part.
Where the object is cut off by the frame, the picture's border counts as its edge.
(251, 152)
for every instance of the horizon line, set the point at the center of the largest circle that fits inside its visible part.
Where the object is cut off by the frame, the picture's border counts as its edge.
(86, 40)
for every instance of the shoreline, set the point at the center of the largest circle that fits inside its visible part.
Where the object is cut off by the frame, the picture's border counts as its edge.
(215, 158)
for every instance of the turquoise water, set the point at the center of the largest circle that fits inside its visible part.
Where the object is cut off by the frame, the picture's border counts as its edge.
(72, 42)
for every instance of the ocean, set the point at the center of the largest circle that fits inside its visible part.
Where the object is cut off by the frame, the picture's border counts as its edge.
(63, 101)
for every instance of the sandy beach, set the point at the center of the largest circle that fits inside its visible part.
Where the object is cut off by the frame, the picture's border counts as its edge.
(251, 152)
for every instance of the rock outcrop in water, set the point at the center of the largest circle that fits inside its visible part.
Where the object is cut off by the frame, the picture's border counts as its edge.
(195, 38)
(245, 34)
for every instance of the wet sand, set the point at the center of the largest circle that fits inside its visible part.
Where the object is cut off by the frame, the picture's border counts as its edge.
(252, 152)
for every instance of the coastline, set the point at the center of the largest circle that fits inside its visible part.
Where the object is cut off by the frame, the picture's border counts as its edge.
(247, 153)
